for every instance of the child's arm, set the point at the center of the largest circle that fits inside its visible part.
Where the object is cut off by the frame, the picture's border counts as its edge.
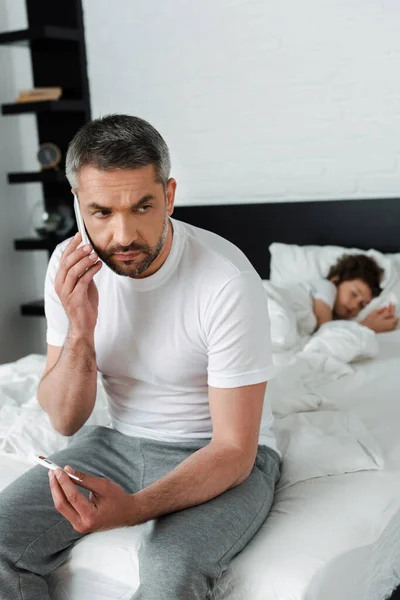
(322, 312)
(382, 319)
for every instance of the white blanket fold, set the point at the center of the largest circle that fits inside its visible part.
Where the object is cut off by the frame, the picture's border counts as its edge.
(25, 429)
(328, 442)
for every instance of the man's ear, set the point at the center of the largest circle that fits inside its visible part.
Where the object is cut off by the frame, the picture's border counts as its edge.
(170, 195)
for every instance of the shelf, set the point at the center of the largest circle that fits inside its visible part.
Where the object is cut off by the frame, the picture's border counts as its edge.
(46, 106)
(38, 243)
(33, 309)
(44, 33)
(38, 176)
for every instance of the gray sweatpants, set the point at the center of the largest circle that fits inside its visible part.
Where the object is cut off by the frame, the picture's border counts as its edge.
(186, 552)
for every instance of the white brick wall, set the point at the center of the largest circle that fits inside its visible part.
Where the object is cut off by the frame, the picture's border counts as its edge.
(258, 101)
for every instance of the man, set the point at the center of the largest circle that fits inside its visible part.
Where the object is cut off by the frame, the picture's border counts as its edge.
(175, 320)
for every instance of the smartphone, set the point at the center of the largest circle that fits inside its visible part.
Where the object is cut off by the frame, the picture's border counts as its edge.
(45, 462)
(80, 223)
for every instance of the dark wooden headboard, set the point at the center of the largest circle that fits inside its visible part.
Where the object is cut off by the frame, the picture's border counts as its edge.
(362, 224)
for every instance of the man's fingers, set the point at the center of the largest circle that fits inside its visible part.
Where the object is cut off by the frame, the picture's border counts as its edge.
(77, 271)
(89, 482)
(73, 497)
(72, 245)
(87, 277)
(71, 255)
(79, 474)
(61, 503)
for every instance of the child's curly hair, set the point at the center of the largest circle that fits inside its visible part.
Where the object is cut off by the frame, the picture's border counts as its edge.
(357, 266)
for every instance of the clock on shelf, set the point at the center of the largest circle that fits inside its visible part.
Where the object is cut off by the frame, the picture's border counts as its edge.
(49, 156)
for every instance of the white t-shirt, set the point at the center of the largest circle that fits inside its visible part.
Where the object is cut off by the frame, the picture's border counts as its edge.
(201, 319)
(323, 289)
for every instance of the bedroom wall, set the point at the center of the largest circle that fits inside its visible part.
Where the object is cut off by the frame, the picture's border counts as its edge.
(21, 273)
(257, 100)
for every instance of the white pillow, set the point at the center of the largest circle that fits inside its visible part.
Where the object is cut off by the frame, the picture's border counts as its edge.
(283, 325)
(291, 263)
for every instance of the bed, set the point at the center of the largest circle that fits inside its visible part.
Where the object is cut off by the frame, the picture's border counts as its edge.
(331, 535)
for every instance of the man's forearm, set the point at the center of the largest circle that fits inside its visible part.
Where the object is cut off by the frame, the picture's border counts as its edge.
(68, 391)
(206, 474)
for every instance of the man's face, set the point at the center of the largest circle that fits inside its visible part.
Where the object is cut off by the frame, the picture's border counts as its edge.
(126, 216)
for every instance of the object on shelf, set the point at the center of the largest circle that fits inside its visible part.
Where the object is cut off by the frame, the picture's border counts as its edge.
(33, 309)
(49, 223)
(49, 156)
(40, 94)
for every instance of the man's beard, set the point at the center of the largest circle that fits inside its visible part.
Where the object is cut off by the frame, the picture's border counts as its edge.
(150, 254)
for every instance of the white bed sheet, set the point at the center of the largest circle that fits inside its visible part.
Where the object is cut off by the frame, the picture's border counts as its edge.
(326, 538)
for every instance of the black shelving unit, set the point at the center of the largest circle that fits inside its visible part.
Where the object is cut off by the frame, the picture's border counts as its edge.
(33, 309)
(39, 33)
(55, 36)
(46, 106)
(37, 177)
(37, 243)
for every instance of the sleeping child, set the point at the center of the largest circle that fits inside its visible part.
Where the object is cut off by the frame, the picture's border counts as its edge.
(351, 284)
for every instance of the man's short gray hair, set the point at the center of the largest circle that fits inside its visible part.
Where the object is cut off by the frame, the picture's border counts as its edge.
(117, 142)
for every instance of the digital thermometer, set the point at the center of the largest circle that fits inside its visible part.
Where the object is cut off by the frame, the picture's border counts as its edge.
(45, 462)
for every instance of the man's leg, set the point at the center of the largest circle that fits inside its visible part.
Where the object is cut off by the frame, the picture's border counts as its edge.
(34, 537)
(186, 552)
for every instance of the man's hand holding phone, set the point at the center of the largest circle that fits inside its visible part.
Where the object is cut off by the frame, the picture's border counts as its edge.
(75, 286)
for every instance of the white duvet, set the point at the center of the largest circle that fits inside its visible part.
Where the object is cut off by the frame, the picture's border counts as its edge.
(325, 505)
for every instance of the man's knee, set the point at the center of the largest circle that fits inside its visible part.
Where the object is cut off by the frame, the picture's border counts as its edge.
(175, 569)
(26, 512)
(11, 525)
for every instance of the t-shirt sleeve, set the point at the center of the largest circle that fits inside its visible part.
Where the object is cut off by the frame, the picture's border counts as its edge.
(325, 290)
(57, 320)
(237, 331)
